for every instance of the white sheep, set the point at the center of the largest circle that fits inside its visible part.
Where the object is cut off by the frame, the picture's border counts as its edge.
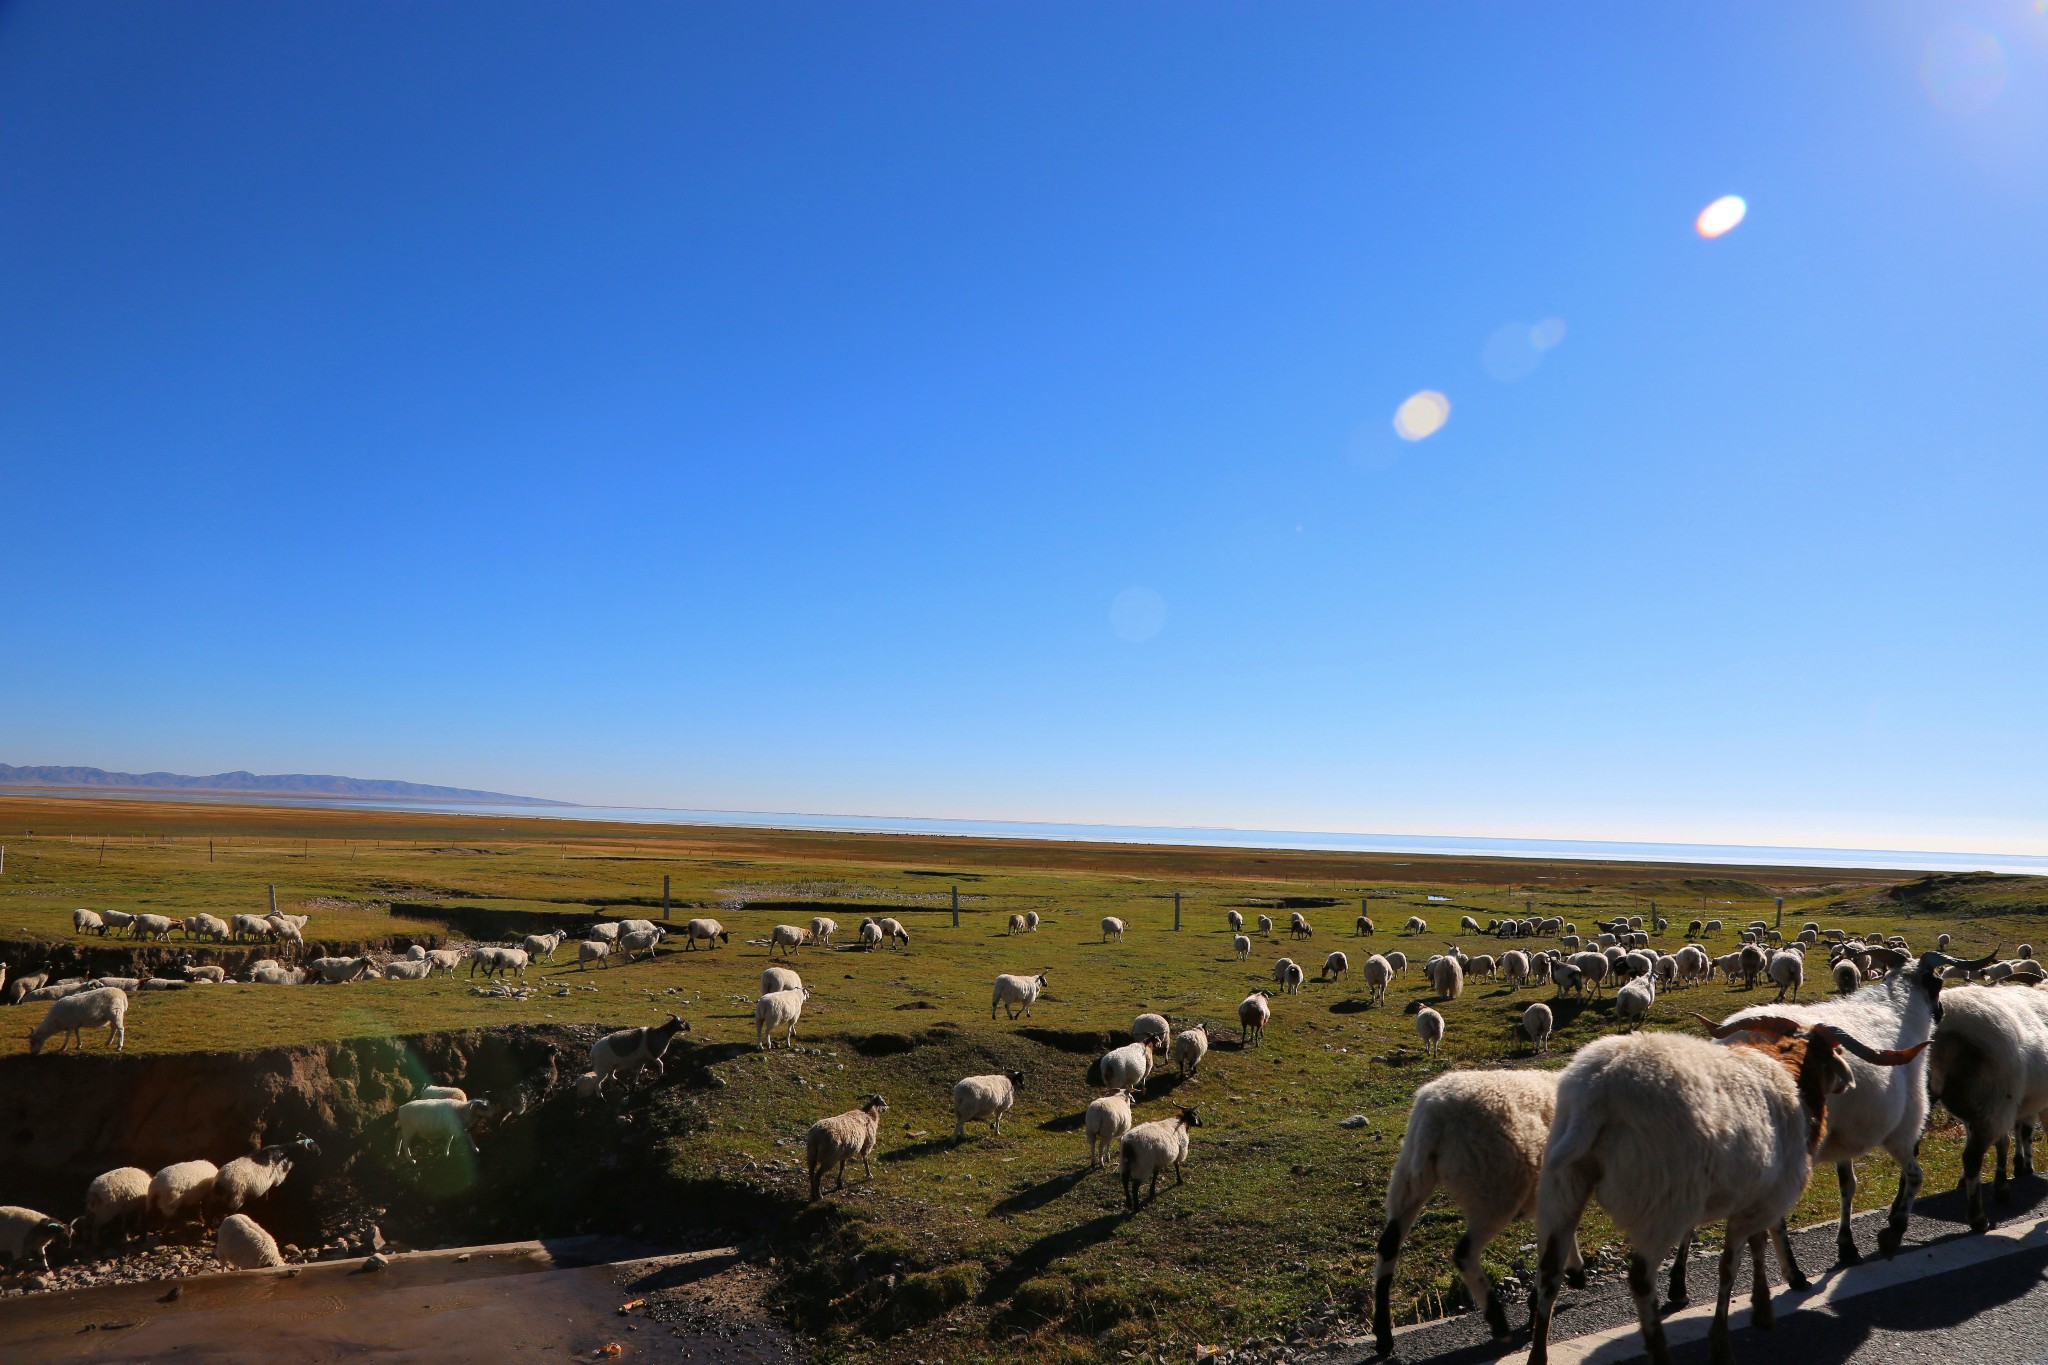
(787, 937)
(1378, 974)
(274, 975)
(26, 1235)
(1446, 978)
(205, 926)
(1253, 1014)
(442, 1092)
(1514, 965)
(209, 973)
(1671, 1132)
(121, 1196)
(445, 959)
(1242, 946)
(870, 935)
(893, 932)
(822, 930)
(1190, 1046)
(1015, 993)
(155, 927)
(86, 922)
(1265, 926)
(1298, 926)
(243, 1244)
(408, 969)
(1989, 1066)
(1235, 920)
(984, 1097)
(335, 970)
(1788, 972)
(1479, 1135)
(116, 919)
(180, 1186)
(778, 1010)
(1154, 1026)
(1846, 977)
(1632, 1002)
(1106, 1122)
(607, 930)
(1537, 1024)
(541, 947)
(251, 1177)
(630, 1051)
(1429, 1026)
(1334, 967)
(779, 979)
(1287, 972)
(1016, 924)
(1127, 1067)
(708, 932)
(1417, 925)
(1151, 1148)
(593, 950)
(1593, 968)
(445, 1121)
(643, 941)
(833, 1142)
(92, 1008)
(1365, 925)
(1031, 921)
(1112, 929)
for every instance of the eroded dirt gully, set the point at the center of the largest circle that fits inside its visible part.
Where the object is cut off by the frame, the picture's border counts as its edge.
(551, 1164)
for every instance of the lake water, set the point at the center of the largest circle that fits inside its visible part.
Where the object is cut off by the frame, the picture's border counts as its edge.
(1433, 845)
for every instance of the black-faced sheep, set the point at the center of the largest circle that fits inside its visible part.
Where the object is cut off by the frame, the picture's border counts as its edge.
(833, 1142)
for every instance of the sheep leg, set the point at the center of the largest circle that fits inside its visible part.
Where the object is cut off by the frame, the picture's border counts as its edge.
(2023, 1151)
(1893, 1234)
(1680, 1296)
(1549, 1275)
(1795, 1278)
(1719, 1352)
(1479, 1233)
(1760, 1313)
(1999, 1191)
(1642, 1287)
(1974, 1147)
(1845, 1239)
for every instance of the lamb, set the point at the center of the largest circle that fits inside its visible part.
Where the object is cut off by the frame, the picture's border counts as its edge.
(870, 935)
(1479, 1134)
(1235, 919)
(1429, 1026)
(542, 946)
(1632, 1002)
(335, 970)
(1154, 1026)
(1242, 946)
(1537, 1024)
(1480, 964)
(251, 1177)
(632, 1050)
(1106, 1122)
(1378, 974)
(1417, 925)
(242, 1244)
(1127, 1067)
(1112, 929)
(1189, 1048)
(1446, 978)
(984, 1097)
(155, 927)
(823, 929)
(708, 932)
(1298, 926)
(183, 1185)
(1016, 992)
(162, 983)
(121, 1197)
(26, 1235)
(787, 937)
(1334, 967)
(593, 950)
(1671, 1132)
(833, 1142)
(644, 942)
(779, 979)
(893, 933)
(778, 1010)
(445, 959)
(446, 1120)
(1253, 1014)
(86, 1009)
(1398, 960)
(86, 922)
(1150, 1148)
(1788, 970)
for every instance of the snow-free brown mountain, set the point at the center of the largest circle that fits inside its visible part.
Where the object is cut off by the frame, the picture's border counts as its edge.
(255, 784)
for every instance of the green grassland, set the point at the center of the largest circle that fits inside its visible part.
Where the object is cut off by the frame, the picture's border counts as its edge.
(1002, 1247)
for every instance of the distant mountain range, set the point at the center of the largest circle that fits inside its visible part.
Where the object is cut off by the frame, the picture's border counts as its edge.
(255, 784)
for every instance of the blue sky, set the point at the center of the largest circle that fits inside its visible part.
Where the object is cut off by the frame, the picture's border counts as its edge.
(769, 407)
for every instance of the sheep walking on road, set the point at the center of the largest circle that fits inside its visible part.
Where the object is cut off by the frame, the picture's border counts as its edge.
(833, 1142)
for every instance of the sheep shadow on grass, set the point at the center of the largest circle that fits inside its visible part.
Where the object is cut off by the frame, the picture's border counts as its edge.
(931, 1146)
(1039, 1195)
(1064, 1123)
(1033, 1259)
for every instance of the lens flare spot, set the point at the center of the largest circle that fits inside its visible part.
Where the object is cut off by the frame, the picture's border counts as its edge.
(1137, 614)
(1546, 334)
(1962, 68)
(1721, 216)
(1421, 415)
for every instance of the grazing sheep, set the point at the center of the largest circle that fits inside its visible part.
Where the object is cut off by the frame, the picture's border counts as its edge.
(1015, 993)
(1429, 1026)
(1253, 1014)
(1150, 1148)
(1265, 926)
(121, 1197)
(1378, 974)
(445, 1120)
(1127, 1067)
(593, 950)
(251, 1177)
(1298, 926)
(1480, 1135)
(407, 969)
(1446, 978)
(1189, 1048)
(209, 973)
(1242, 946)
(242, 1244)
(708, 932)
(787, 937)
(1398, 960)
(1417, 925)
(117, 919)
(86, 922)
(1752, 965)
(1788, 971)
(1016, 924)
(778, 1010)
(1031, 921)
(893, 933)
(1941, 942)
(1106, 1122)
(155, 927)
(1632, 1002)
(334, 970)
(274, 975)
(630, 1051)
(1537, 1024)
(22, 985)
(184, 1185)
(25, 1235)
(1334, 967)
(1289, 974)
(541, 947)
(1846, 977)
(645, 942)
(1153, 1026)
(779, 979)
(1670, 1132)
(1235, 920)
(205, 927)
(822, 930)
(833, 1142)
(1468, 925)
(1594, 968)
(1481, 964)
(984, 1097)
(1112, 929)
(1364, 926)
(870, 935)
(86, 1009)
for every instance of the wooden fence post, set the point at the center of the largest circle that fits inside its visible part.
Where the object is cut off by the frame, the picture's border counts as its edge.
(273, 898)
(209, 850)
(956, 905)
(664, 895)
(1176, 912)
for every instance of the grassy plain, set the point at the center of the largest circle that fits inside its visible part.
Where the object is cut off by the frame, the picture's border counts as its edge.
(1003, 1247)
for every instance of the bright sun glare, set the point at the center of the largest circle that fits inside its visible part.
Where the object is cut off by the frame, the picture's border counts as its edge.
(1721, 216)
(1421, 415)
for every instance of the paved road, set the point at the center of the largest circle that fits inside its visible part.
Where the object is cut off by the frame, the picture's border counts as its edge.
(1949, 1295)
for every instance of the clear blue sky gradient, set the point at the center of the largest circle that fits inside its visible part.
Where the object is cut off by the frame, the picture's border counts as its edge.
(762, 406)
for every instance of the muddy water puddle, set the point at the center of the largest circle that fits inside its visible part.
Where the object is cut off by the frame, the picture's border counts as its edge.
(517, 1302)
